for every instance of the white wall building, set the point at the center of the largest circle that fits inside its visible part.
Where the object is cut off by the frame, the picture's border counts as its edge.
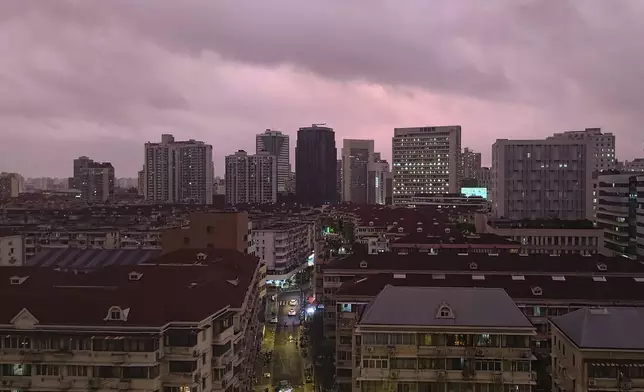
(11, 250)
(549, 178)
(251, 179)
(278, 144)
(11, 185)
(178, 171)
(425, 160)
(284, 247)
(603, 145)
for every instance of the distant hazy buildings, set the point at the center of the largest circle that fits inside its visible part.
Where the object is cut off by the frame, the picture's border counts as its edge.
(316, 165)
(277, 144)
(636, 165)
(97, 182)
(425, 160)
(356, 155)
(470, 163)
(251, 179)
(178, 171)
(11, 185)
(602, 145)
(550, 178)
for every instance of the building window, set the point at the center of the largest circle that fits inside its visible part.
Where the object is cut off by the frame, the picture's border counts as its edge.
(444, 311)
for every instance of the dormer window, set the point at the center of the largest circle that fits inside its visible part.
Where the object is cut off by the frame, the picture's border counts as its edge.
(135, 276)
(363, 264)
(419, 230)
(201, 256)
(370, 223)
(602, 266)
(400, 229)
(536, 290)
(18, 279)
(473, 266)
(445, 312)
(115, 313)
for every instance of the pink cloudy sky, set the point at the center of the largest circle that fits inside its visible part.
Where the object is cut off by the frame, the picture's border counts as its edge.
(99, 78)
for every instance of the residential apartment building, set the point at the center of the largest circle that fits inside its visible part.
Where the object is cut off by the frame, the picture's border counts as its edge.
(96, 182)
(602, 146)
(549, 178)
(284, 248)
(598, 349)
(547, 236)
(470, 163)
(277, 144)
(356, 156)
(11, 185)
(425, 160)
(541, 286)
(251, 179)
(484, 179)
(636, 165)
(441, 341)
(620, 212)
(316, 160)
(113, 337)
(178, 171)
(207, 230)
(11, 249)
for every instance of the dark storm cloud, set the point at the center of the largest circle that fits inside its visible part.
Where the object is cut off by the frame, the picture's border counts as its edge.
(124, 71)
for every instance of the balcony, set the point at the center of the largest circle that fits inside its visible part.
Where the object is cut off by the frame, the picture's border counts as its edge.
(222, 361)
(223, 336)
(181, 351)
(16, 382)
(185, 378)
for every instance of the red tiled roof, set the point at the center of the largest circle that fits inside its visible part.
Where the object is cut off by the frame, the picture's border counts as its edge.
(504, 262)
(173, 287)
(439, 236)
(574, 288)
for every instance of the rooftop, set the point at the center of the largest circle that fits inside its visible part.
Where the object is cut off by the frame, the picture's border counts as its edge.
(541, 224)
(445, 306)
(503, 263)
(579, 289)
(440, 236)
(75, 258)
(186, 285)
(604, 328)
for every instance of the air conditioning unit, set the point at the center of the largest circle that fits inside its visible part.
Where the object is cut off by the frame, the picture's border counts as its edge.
(369, 349)
(592, 383)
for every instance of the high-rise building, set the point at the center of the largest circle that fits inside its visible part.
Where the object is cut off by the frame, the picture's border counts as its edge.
(619, 213)
(178, 171)
(356, 156)
(251, 179)
(425, 160)
(603, 145)
(550, 178)
(11, 185)
(80, 163)
(339, 179)
(316, 160)
(378, 171)
(140, 183)
(277, 144)
(470, 163)
(96, 181)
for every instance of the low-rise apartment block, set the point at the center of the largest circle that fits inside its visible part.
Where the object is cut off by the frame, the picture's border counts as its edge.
(133, 328)
(598, 349)
(551, 236)
(447, 339)
(11, 248)
(284, 248)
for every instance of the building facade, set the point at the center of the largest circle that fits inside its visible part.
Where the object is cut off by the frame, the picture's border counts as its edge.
(620, 213)
(251, 179)
(96, 182)
(11, 185)
(178, 171)
(277, 144)
(378, 172)
(11, 249)
(425, 160)
(316, 165)
(283, 248)
(470, 163)
(549, 178)
(356, 156)
(602, 146)
(441, 342)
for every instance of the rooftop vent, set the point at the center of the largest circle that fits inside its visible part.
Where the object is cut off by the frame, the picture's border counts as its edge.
(478, 277)
(518, 277)
(493, 254)
(201, 256)
(462, 253)
(554, 254)
(473, 266)
(363, 264)
(599, 278)
(400, 276)
(536, 290)
(18, 279)
(559, 278)
(400, 229)
(438, 276)
(447, 230)
(435, 223)
(602, 266)
(135, 276)
(523, 254)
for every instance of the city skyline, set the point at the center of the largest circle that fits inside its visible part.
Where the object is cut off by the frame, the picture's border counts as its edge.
(524, 70)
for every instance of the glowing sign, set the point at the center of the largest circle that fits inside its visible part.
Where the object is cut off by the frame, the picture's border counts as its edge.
(476, 192)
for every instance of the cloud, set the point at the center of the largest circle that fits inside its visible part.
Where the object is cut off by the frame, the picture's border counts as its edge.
(104, 77)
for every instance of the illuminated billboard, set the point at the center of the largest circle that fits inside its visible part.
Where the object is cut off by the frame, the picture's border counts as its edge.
(476, 192)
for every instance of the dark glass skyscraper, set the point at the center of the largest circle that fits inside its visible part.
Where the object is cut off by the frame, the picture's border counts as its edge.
(316, 165)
